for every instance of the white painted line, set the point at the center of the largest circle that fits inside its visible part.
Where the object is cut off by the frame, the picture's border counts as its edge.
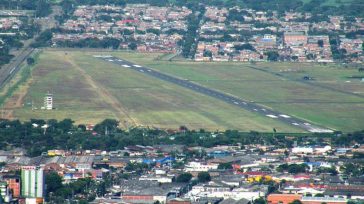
(110, 60)
(255, 109)
(320, 130)
(141, 70)
(125, 65)
(236, 103)
(296, 124)
(285, 116)
(135, 65)
(102, 56)
(272, 116)
(120, 60)
(307, 124)
(12, 70)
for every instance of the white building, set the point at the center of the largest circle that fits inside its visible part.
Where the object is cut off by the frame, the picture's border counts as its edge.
(320, 150)
(198, 167)
(302, 150)
(48, 102)
(158, 178)
(201, 191)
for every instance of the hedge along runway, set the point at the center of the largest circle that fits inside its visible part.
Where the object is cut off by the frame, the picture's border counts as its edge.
(89, 90)
(331, 99)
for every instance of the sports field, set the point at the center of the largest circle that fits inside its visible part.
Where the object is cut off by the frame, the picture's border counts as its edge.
(331, 99)
(89, 90)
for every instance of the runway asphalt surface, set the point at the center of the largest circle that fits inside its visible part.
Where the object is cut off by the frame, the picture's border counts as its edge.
(245, 104)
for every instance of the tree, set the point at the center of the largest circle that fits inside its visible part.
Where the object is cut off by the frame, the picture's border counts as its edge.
(292, 168)
(66, 124)
(259, 201)
(296, 202)
(225, 166)
(184, 178)
(107, 126)
(133, 46)
(53, 182)
(30, 61)
(207, 53)
(272, 55)
(43, 8)
(245, 46)
(204, 177)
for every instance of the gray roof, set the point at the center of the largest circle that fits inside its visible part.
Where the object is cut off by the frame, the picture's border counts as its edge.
(232, 201)
(136, 187)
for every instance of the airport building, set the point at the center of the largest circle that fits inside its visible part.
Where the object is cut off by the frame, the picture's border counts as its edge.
(48, 102)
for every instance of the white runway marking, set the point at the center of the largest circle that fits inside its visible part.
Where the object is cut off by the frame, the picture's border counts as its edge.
(285, 116)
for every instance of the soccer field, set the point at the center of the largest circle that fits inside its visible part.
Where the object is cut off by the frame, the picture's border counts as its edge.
(89, 90)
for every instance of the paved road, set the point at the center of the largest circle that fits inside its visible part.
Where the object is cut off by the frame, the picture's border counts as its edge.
(9, 70)
(245, 104)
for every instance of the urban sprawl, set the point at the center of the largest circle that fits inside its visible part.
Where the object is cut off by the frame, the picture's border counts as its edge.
(224, 34)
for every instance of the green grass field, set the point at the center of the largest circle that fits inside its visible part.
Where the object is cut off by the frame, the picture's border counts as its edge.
(328, 100)
(89, 90)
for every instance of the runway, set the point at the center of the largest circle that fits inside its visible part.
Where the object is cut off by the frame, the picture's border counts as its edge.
(233, 100)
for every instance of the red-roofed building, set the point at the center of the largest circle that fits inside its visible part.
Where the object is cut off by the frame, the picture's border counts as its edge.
(282, 198)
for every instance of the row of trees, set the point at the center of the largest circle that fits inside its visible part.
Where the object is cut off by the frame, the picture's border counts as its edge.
(189, 41)
(65, 135)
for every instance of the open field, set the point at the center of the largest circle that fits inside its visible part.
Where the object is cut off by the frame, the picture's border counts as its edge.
(89, 90)
(329, 100)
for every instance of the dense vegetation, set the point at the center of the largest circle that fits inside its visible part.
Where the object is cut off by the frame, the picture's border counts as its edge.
(85, 189)
(42, 8)
(37, 136)
(317, 7)
(8, 42)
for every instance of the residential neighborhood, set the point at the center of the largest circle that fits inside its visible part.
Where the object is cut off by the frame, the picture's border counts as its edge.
(194, 174)
(140, 26)
(225, 34)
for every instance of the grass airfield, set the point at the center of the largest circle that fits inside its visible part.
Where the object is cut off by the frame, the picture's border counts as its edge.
(89, 90)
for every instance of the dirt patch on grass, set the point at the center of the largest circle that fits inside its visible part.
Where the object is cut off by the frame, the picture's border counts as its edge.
(103, 93)
(15, 101)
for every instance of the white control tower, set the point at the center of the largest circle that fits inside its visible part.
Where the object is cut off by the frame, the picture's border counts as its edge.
(48, 101)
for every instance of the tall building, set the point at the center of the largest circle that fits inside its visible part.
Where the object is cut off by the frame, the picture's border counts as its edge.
(5, 195)
(14, 184)
(32, 182)
(48, 102)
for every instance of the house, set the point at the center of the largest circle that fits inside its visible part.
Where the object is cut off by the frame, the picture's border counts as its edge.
(295, 38)
(13, 183)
